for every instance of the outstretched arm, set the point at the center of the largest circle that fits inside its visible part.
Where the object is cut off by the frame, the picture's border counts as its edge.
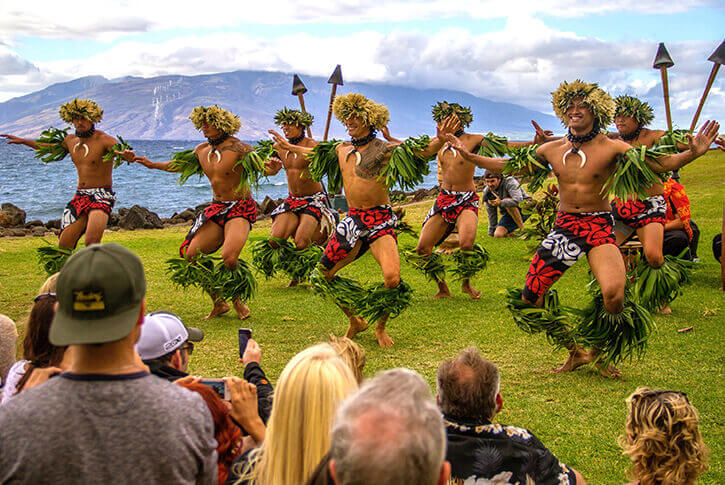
(165, 166)
(281, 143)
(541, 136)
(386, 134)
(697, 146)
(28, 142)
(493, 164)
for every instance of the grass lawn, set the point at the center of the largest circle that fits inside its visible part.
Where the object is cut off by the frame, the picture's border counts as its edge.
(578, 415)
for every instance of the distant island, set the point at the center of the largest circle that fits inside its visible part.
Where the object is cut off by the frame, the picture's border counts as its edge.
(158, 108)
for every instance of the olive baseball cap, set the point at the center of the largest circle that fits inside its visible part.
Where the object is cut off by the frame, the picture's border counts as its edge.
(100, 291)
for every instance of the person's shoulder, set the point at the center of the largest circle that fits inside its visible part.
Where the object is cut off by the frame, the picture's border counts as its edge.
(35, 403)
(238, 145)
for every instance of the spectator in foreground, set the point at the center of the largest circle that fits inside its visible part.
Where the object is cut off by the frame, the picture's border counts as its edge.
(228, 436)
(41, 359)
(504, 194)
(105, 420)
(389, 433)
(351, 353)
(469, 396)
(310, 388)
(662, 438)
(166, 345)
(681, 234)
(8, 338)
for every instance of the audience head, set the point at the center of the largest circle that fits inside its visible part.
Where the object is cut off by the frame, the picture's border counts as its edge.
(351, 353)
(492, 179)
(389, 432)
(49, 285)
(165, 338)
(36, 345)
(100, 293)
(228, 436)
(468, 387)
(309, 390)
(662, 438)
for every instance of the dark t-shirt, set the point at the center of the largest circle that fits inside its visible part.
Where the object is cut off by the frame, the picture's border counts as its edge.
(121, 429)
(505, 453)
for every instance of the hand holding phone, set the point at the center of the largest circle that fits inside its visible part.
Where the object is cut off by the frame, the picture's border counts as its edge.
(220, 386)
(245, 334)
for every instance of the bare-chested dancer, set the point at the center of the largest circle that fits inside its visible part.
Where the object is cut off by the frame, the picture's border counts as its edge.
(457, 204)
(645, 217)
(370, 222)
(306, 209)
(227, 221)
(583, 162)
(89, 210)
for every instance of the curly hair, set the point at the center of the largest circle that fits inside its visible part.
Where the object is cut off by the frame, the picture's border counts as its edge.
(81, 108)
(600, 103)
(662, 438)
(219, 118)
(353, 104)
(226, 433)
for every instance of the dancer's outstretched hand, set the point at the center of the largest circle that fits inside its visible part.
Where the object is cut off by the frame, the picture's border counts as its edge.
(127, 155)
(720, 142)
(280, 142)
(708, 133)
(541, 136)
(13, 140)
(144, 161)
(450, 125)
(454, 142)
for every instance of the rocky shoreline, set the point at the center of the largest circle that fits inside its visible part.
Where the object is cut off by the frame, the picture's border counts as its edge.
(13, 223)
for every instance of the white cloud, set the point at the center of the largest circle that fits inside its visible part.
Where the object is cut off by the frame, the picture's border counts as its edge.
(112, 19)
(522, 63)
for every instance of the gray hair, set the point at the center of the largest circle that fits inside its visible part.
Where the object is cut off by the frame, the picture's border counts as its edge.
(389, 432)
(467, 387)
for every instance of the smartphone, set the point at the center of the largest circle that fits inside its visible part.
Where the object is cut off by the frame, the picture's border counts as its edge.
(219, 386)
(244, 335)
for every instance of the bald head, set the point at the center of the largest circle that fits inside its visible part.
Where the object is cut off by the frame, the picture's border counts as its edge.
(467, 387)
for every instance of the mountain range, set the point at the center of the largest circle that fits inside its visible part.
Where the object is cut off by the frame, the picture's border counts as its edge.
(159, 107)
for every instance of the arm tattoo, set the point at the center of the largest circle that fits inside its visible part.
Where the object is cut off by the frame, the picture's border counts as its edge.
(237, 147)
(373, 159)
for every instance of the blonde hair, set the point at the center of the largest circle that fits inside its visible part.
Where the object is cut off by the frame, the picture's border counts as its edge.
(662, 438)
(351, 353)
(49, 285)
(311, 387)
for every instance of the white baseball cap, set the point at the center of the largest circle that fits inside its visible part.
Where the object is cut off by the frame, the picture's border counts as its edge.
(163, 333)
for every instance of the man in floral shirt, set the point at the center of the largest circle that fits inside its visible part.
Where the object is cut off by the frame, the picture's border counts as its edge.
(479, 450)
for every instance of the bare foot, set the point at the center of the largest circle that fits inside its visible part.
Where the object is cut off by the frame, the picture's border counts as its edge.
(467, 288)
(665, 310)
(577, 358)
(443, 291)
(220, 308)
(293, 283)
(610, 371)
(384, 339)
(241, 309)
(357, 325)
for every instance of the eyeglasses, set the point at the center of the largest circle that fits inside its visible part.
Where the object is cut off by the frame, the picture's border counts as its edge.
(43, 295)
(659, 393)
(189, 347)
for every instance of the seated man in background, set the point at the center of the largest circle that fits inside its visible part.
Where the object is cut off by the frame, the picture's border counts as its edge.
(166, 345)
(504, 193)
(468, 395)
(681, 232)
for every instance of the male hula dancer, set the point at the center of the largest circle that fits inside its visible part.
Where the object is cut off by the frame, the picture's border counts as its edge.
(231, 166)
(456, 205)
(363, 166)
(91, 151)
(306, 209)
(586, 164)
(647, 217)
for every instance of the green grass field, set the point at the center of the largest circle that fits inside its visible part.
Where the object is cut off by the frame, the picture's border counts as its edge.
(578, 415)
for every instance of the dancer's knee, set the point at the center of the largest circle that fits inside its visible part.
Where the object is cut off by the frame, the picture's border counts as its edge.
(302, 242)
(613, 296)
(231, 261)
(654, 257)
(391, 279)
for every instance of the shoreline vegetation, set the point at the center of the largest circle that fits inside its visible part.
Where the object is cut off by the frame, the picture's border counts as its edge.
(577, 415)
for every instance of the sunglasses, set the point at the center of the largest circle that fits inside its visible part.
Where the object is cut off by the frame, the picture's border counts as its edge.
(659, 393)
(189, 347)
(43, 295)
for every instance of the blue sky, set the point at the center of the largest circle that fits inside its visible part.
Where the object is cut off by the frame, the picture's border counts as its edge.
(517, 50)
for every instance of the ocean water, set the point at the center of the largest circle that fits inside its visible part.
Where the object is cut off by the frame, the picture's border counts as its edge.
(43, 190)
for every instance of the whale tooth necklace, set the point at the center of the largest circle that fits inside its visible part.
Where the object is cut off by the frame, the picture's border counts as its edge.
(358, 142)
(82, 135)
(581, 140)
(295, 141)
(215, 142)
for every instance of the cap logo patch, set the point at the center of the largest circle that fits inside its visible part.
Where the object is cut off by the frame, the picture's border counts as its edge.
(169, 346)
(88, 301)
